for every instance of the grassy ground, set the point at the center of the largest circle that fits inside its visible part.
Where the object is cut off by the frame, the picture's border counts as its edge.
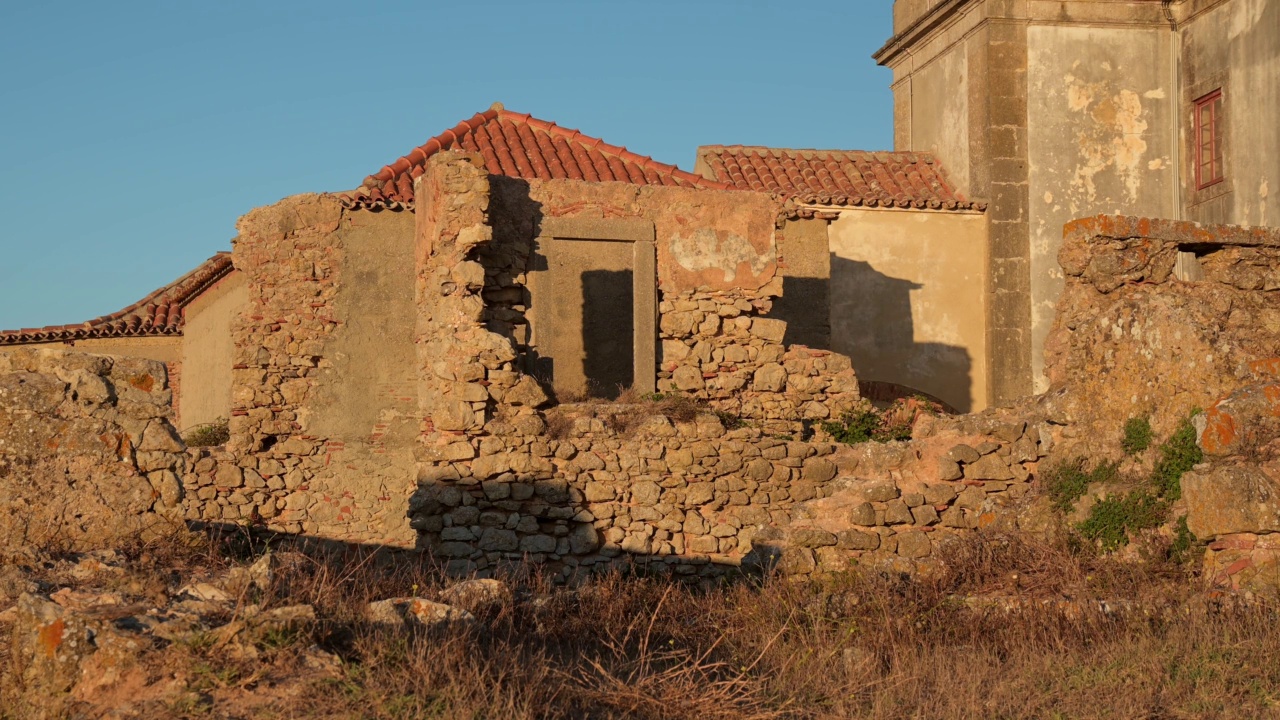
(1013, 628)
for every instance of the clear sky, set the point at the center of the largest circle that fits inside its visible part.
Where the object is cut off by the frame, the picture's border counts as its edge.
(133, 134)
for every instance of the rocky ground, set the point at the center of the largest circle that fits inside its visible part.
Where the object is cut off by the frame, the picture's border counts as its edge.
(230, 627)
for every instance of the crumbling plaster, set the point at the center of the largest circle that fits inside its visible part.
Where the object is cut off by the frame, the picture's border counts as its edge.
(1100, 139)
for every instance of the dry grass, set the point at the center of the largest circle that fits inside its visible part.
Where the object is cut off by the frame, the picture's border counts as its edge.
(1012, 628)
(628, 411)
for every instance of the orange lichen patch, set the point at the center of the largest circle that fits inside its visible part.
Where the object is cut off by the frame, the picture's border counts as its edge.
(1219, 431)
(50, 636)
(143, 382)
(1272, 392)
(1243, 411)
(1269, 367)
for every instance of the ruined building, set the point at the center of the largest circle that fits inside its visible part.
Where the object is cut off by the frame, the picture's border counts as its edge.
(391, 358)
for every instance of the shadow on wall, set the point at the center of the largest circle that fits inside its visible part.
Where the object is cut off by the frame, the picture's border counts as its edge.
(608, 322)
(872, 323)
(805, 305)
(481, 528)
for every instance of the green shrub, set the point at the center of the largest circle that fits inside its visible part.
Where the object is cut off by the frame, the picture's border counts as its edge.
(854, 428)
(1112, 519)
(1178, 454)
(1137, 435)
(1068, 482)
(866, 425)
(217, 432)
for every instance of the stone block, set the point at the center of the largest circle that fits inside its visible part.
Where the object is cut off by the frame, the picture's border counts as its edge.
(818, 470)
(812, 537)
(857, 540)
(863, 514)
(769, 329)
(914, 545)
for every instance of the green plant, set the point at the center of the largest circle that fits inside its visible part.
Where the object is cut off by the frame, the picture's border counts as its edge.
(1178, 454)
(854, 428)
(1112, 519)
(1137, 435)
(1067, 482)
(210, 434)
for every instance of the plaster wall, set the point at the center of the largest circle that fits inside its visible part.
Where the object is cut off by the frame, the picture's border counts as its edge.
(365, 394)
(207, 351)
(719, 239)
(582, 324)
(941, 125)
(1235, 47)
(1100, 130)
(909, 302)
(166, 349)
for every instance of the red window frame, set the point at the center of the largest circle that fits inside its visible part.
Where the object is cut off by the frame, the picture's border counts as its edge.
(1208, 140)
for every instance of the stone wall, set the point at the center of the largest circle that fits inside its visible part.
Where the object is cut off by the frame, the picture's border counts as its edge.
(88, 454)
(721, 347)
(497, 483)
(1133, 339)
(324, 422)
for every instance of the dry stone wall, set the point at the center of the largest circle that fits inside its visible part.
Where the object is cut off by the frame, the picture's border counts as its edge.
(88, 453)
(718, 346)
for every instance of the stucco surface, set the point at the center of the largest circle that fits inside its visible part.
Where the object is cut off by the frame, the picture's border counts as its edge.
(207, 352)
(581, 322)
(720, 239)
(165, 349)
(908, 300)
(941, 126)
(1100, 139)
(1236, 47)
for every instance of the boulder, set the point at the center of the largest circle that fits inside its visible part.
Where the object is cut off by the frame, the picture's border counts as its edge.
(1223, 499)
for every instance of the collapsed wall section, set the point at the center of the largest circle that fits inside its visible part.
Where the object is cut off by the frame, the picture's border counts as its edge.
(1159, 317)
(324, 407)
(89, 457)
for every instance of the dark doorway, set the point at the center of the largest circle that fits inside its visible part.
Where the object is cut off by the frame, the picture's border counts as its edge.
(608, 331)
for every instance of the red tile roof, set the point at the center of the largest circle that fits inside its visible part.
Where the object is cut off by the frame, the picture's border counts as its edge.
(517, 145)
(836, 177)
(160, 313)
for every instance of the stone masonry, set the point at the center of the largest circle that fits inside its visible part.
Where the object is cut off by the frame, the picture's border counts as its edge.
(88, 455)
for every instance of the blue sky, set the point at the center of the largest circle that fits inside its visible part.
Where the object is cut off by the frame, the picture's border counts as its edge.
(134, 134)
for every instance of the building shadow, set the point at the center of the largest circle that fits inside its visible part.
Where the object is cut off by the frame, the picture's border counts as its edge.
(872, 321)
(806, 307)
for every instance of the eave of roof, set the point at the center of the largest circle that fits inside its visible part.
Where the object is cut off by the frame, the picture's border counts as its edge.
(519, 145)
(158, 314)
(847, 178)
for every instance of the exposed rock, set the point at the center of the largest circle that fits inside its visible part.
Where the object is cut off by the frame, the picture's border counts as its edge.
(476, 594)
(1224, 499)
(408, 612)
(988, 467)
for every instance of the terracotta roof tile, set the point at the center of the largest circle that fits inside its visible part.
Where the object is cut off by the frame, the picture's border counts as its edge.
(836, 177)
(160, 313)
(519, 145)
